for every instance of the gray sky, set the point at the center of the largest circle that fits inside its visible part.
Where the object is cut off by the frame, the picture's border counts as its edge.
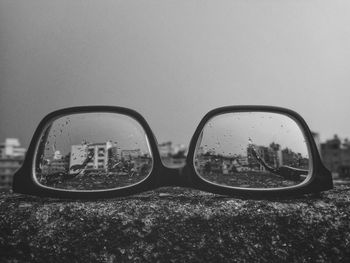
(174, 60)
(123, 132)
(232, 133)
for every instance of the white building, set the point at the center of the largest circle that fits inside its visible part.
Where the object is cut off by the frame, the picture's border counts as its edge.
(11, 158)
(78, 155)
(100, 156)
(11, 149)
(98, 152)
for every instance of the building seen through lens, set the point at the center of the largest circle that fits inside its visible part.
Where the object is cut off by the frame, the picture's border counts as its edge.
(93, 166)
(102, 157)
(335, 154)
(208, 161)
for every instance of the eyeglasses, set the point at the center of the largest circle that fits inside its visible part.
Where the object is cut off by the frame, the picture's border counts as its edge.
(103, 152)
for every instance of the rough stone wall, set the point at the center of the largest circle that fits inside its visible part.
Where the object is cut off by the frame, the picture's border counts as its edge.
(176, 225)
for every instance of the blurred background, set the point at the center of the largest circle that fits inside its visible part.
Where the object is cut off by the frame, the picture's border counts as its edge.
(173, 61)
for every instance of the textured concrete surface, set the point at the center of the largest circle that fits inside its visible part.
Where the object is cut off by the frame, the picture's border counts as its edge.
(176, 225)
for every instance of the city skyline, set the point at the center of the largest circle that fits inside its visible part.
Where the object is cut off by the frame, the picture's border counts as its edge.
(334, 152)
(181, 146)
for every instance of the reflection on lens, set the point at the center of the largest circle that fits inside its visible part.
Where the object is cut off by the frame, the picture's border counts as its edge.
(93, 151)
(252, 150)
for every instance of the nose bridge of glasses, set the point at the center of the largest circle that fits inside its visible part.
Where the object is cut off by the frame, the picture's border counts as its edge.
(173, 177)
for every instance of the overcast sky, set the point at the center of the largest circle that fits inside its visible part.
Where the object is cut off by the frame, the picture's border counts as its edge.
(174, 60)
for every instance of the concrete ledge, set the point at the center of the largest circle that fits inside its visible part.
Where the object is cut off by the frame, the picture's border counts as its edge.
(176, 225)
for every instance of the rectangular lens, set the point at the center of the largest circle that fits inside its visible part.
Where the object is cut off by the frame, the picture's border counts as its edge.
(92, 151)
(253, 150)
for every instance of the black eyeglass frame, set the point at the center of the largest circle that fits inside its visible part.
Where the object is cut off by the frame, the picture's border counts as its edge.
(24, 182)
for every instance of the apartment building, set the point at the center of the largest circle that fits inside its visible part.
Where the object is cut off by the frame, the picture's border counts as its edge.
(11, 158)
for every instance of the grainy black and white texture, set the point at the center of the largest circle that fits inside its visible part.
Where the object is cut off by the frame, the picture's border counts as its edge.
(176, 225)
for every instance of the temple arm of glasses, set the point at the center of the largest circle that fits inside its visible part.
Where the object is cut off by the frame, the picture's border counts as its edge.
(287, 172)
